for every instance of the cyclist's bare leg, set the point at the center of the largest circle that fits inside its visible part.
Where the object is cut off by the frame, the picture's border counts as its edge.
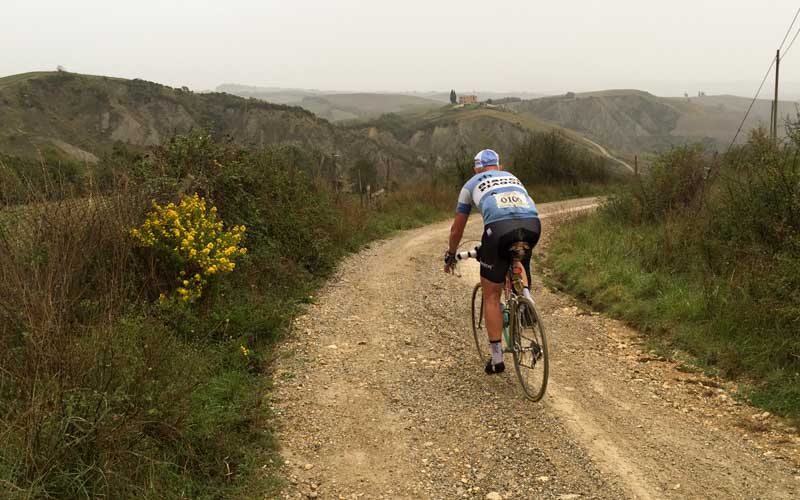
(491, 309)
(520, 268)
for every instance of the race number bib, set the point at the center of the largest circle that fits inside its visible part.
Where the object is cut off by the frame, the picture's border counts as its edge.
(512, 200)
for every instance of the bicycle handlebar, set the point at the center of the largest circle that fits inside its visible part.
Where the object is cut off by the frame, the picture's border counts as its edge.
(471, 254)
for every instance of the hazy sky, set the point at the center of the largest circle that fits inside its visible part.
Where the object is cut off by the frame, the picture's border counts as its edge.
(529, 45)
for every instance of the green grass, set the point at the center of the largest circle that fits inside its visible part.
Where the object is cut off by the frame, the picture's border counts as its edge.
(14, 79)
(611, 266)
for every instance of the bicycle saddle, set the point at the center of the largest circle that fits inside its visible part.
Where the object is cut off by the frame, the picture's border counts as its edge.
(520, 250)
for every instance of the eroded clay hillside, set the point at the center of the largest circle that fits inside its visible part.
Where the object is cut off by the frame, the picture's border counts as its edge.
(635, 122)
(84, 116)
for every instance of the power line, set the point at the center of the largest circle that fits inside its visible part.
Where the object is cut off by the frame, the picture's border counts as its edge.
(790, 30)
(750, 108)
(790, 44)
(766, 75)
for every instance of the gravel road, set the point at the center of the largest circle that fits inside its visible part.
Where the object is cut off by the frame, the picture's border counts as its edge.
(379, 394)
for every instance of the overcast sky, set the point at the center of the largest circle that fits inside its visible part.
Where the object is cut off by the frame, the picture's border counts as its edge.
(528, 45)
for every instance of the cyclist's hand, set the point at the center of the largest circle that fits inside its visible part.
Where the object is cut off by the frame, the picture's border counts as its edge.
(449, 262)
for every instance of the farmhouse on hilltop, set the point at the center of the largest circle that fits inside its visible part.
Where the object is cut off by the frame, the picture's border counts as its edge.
(467, 99)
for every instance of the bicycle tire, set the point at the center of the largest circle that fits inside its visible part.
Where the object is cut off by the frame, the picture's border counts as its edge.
(528, 332)
(478, 328)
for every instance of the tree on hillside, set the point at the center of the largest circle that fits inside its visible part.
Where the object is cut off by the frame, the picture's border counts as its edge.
(453, 97)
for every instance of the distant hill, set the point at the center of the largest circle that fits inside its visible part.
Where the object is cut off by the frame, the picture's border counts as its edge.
(633, 122)
(449, 132)
(336, 106)
(483, 95)
(341, 107)
(277, 95)
(84, 116)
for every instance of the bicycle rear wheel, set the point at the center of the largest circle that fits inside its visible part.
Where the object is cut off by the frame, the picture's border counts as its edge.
(530, 349)
(478, 326)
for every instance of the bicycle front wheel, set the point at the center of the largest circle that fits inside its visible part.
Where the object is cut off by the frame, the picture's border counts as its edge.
(478, 327)
(529, 341)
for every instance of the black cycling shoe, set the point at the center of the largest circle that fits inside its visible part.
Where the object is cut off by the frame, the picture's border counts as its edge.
(492, 369)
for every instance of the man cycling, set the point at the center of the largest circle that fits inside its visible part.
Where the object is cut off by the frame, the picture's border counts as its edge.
(509, 215)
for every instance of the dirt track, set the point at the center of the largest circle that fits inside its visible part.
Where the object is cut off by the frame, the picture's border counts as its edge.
(379, 394)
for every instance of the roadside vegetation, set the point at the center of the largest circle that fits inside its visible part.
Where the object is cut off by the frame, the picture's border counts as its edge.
(131, 362)
(703, 253)
(140, 298)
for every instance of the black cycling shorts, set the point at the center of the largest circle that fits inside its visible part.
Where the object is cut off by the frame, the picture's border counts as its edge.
(497, 238)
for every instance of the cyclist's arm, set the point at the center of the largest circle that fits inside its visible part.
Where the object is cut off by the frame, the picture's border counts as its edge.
(457, 230)
(462, 214)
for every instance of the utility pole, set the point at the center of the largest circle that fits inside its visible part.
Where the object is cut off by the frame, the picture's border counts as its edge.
(771, 118)
(775, 102)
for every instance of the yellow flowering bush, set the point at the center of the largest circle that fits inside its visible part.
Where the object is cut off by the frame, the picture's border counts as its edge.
(196, 239)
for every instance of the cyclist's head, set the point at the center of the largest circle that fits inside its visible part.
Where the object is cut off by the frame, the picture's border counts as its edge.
(485, 159)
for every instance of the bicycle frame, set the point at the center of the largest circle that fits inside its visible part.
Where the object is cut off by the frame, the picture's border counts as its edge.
(518, 300)
(514, 287)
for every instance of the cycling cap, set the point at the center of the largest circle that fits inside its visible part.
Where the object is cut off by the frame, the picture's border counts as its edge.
(486, 158)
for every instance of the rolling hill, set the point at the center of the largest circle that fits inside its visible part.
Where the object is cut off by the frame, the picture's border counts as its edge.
(277, 95)
(83, 117)
(634, 122)
(336, 106)
(341, 107)
(448, 132)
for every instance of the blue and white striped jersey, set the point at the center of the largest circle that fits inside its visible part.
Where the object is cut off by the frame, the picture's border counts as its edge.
(498, 195)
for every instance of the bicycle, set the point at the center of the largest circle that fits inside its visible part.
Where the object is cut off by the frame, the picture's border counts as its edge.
(523, 330)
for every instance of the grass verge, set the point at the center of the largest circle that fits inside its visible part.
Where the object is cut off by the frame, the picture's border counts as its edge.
(614, 267)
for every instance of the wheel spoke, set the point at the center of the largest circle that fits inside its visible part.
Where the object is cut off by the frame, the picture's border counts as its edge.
(530, 350)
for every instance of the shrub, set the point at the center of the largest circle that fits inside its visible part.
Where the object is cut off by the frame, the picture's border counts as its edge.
(757, 204)
(192, 241)
(105, 391)
(676, 181)
(548, 158)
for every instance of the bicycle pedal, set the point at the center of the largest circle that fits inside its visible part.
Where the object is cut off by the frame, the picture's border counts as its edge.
(536, 351)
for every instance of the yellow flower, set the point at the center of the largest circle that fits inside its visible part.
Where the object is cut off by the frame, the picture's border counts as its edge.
(196, 236)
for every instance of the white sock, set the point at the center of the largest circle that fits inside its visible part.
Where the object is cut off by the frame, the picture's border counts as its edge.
(527, 293)
(497, 352)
